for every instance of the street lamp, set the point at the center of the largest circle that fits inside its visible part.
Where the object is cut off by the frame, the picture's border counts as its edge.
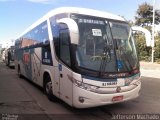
(153, 28)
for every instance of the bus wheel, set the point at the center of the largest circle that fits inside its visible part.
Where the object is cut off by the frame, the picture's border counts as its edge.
(48, 88)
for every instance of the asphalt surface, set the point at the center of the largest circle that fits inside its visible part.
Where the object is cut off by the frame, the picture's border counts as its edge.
(22, 100)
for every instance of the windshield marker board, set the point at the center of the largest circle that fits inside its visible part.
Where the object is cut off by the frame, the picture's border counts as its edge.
(96, 32)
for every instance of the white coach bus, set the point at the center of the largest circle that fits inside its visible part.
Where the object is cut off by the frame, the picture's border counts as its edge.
(85, 57)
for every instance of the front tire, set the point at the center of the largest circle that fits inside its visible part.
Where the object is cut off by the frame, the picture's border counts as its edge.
(48, 88)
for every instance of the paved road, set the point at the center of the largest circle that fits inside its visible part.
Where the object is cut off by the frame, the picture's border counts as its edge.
(20, 98)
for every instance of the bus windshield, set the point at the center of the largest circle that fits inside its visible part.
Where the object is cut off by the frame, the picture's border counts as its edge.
(105, 46)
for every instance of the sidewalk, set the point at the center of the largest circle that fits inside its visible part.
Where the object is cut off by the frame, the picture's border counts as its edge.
(149, 69)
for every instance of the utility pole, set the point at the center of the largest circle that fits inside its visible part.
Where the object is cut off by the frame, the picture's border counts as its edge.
(153, 28)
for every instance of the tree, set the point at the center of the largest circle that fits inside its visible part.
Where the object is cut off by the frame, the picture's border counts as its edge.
(144, 52)
(144, 15)
(157, 49)
(144, 18)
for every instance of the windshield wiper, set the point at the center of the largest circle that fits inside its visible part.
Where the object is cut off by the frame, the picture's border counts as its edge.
(106, 57)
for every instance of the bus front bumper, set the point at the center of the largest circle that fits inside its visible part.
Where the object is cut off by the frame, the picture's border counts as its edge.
(84, 99)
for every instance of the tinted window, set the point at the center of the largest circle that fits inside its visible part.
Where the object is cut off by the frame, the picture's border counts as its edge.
(46, 55)
(37, 35)
(55, 30)
(64, 47)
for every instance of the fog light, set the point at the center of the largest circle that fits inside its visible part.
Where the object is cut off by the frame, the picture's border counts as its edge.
(81, 99)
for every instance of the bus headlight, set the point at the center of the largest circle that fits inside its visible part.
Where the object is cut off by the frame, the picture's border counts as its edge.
(85, 86)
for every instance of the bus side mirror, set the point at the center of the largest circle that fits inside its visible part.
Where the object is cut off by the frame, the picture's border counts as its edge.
(73, 29)
(146, 33)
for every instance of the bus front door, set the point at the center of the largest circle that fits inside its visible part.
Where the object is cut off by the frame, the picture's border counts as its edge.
(65, 72)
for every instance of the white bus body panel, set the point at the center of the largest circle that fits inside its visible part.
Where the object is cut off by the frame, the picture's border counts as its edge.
(66, 85)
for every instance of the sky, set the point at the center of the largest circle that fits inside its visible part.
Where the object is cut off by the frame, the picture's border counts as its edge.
(18, 15)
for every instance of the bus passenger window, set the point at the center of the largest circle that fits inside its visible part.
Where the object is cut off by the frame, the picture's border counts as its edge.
(64, 47)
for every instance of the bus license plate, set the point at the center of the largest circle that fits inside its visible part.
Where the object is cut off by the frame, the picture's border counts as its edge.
(117, 98)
